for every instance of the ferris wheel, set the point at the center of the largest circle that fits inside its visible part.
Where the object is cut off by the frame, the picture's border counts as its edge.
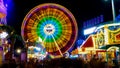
(52, 25)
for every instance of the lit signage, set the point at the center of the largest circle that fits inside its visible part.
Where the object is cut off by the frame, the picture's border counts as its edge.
(89, 30)
(93, 21)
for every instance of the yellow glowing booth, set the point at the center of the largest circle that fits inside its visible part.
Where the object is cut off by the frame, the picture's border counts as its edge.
(108, 37)
(104, 42)
(87, 46)
(36, 51)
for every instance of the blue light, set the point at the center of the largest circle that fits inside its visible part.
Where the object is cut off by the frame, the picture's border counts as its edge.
(73, 56)
(94, 21)
(79, 42)
(10, 11)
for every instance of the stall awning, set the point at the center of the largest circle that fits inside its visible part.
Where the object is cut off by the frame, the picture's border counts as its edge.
(88, 42)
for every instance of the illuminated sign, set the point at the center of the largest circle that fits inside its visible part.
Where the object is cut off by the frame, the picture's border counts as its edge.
(93, 21)
(89, 30)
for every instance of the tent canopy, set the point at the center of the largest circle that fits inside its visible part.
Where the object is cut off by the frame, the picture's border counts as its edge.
(88, 42)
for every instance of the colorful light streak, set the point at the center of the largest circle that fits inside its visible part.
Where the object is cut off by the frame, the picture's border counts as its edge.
(53, 24)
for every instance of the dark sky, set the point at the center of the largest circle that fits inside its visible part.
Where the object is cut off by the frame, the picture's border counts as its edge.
(81, 9)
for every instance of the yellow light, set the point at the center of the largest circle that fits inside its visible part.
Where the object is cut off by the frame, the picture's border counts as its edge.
(40, 40)
(18, 51)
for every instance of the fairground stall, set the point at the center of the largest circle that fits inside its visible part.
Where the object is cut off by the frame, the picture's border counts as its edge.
(37, 52)
(108, 38)
(105, 42)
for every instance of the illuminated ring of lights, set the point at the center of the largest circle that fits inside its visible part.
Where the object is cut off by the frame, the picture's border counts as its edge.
(53, 24)
(101, 39)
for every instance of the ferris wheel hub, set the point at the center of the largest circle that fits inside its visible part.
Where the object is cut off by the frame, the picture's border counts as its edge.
(49, 29)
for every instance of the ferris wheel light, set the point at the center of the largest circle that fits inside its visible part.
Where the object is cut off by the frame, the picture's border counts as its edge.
(39, 39)
(56, 30)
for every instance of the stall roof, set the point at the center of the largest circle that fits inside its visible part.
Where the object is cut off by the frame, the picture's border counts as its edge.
(88, 42)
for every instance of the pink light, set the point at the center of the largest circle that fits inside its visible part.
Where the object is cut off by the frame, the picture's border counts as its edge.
(3, 11)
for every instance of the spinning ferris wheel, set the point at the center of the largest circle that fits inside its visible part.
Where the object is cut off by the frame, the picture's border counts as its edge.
(53, 25)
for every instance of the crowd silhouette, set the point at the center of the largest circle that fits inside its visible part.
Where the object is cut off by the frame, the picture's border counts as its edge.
(63, 62)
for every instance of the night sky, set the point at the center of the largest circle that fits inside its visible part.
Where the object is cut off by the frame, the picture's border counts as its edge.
(81, 9)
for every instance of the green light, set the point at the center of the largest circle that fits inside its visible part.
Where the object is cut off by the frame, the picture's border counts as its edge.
(53, 21)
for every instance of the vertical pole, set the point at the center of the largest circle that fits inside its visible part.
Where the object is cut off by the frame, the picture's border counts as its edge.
(113, 9)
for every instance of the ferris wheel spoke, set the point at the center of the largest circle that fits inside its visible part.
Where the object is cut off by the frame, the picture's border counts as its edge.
(54, 25)
(44, 38)
(57, 45)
